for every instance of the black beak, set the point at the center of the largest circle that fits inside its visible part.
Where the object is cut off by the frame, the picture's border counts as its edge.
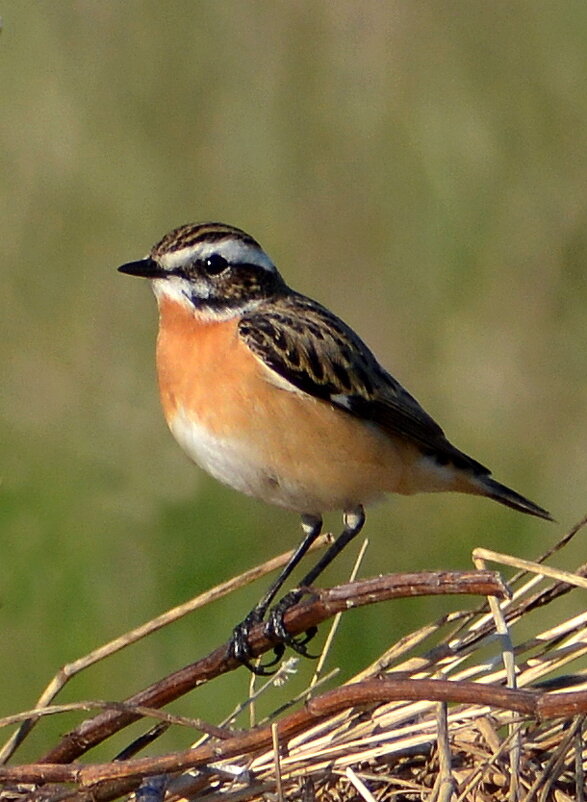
(144, 268)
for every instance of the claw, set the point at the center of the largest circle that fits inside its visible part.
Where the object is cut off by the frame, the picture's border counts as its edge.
(275, 628)
(239, 648)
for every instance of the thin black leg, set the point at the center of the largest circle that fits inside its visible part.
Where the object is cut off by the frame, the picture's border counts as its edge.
(353, 523)
(312, 526)
(239, 646)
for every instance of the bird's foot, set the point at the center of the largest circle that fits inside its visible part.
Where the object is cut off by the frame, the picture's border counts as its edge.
(239, 647)
(275, 627)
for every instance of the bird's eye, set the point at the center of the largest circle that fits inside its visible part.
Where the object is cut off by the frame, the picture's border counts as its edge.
(215, 264)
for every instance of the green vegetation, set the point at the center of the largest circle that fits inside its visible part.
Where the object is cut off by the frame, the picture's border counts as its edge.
(419, 167)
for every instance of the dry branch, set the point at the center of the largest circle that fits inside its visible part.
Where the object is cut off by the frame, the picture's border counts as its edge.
(311, 611)
(370, 692)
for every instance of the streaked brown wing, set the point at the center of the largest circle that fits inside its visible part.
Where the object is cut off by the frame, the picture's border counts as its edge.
(316, 352)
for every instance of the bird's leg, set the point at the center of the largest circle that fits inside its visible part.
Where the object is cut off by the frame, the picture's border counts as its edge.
(353, 523)
(239, 645)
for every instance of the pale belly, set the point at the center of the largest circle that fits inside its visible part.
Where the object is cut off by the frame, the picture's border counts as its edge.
(304, 464)
(239, 465)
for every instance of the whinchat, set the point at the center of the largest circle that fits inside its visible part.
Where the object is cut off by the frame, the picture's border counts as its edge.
(274, 395)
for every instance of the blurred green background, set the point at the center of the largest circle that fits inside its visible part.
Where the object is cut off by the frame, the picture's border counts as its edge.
(421, 168)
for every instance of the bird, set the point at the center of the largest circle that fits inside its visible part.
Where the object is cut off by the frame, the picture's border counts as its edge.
(275, 396)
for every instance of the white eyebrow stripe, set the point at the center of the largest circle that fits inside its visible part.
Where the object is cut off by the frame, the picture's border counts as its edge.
(232, 250)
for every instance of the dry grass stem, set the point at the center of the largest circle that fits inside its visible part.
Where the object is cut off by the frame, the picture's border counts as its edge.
(336, 620)
(507, 652)
(527, 566)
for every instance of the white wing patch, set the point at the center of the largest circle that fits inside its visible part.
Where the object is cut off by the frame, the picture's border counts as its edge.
(341, 400)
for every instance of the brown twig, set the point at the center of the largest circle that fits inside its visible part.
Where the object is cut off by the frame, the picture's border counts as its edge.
(370, 692)
(311, 611)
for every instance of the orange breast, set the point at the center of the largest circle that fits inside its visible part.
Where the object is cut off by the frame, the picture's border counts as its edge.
(203, 369)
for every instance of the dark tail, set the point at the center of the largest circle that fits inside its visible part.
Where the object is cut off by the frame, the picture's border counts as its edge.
(510, 498)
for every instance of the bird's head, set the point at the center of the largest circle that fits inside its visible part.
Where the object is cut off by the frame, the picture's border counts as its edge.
(215, 269)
